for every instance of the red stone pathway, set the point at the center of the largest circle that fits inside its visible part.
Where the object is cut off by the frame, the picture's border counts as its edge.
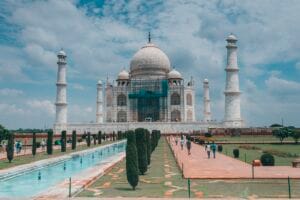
(197, 165)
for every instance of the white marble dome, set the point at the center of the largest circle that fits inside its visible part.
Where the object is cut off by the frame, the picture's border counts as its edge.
(149, 62)
(174, 74)
(123, 75)
(61, 53)
(205, 80)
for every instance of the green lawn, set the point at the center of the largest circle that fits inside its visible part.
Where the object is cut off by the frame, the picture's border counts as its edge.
(20, 160)
(249, 138)
(163, 179)
(251, 154)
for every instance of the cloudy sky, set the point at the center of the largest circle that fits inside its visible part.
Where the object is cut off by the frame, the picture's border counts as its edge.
(100, 37)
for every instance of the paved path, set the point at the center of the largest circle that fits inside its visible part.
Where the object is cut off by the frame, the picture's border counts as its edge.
(197, 165)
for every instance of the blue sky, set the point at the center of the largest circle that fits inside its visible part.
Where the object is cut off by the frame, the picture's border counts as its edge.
(100, 37)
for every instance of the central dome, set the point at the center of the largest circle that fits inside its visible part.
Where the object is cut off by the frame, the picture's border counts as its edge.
(149, 62)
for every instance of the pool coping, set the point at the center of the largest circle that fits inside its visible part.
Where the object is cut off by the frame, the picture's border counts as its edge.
(26, 168)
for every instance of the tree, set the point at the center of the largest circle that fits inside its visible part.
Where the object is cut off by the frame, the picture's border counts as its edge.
(10, 147)
(132, 170)
(3, 133)
(114, 136)
(88, 139)
(149, 149)
(74, 139)
(295, 134)
(281, 133)
(275, 125)
(94, 139)
(141, 145)
(33, 143)
(99, 137)
(50, 142)
(63, 141)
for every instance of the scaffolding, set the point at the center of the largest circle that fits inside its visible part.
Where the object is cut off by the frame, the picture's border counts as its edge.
(148, 100)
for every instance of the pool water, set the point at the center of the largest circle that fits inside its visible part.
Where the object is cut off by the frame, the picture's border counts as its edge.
(29, 184)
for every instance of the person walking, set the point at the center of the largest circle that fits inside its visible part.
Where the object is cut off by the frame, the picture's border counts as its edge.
(43, 144)
(214, 148)
(188, 146)
(208, 150)
(182, 142)
(176, 140)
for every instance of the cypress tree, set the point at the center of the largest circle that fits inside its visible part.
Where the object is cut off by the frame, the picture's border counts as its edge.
(149, 149)
(10, 147)
(132, 170)
(94, 139)
(141, 145)
(88, 139)
(63, 141)
(114, 136)
(50, 142)
(74, 139)
(99, 137)
(33, 144)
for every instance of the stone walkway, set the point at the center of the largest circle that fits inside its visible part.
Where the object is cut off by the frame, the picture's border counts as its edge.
(197, 165)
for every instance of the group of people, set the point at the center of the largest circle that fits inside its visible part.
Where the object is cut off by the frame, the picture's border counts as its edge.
(209, 147)
(184, 140)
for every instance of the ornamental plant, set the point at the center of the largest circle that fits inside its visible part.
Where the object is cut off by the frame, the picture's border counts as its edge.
(63, 141)
(49, 142)
(33, 151)
(74, 139)
(141, 145)
(132, 169)
(10, 147)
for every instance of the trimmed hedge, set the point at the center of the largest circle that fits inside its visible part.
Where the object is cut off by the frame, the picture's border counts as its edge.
(236, 153)
(132, 169)
(267, 159)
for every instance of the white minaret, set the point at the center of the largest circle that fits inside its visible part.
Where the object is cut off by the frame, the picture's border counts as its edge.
(206, 101)
(61, 93)
(99, 103)
(232, 92)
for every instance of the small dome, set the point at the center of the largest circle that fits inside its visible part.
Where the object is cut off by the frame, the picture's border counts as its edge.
(149, 61)
(205, 80)
(61, 53)
(174, 74)
(99, 82)
(123, 75)
(231, 37)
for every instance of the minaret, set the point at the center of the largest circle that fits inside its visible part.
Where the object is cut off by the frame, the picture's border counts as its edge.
(61, 93)
(206, 101)
(232, 92)
(99, 103)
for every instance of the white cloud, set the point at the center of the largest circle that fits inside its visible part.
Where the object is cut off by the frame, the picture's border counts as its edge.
(282, 86)
(77, 86)
(10, 92)
(43, 106)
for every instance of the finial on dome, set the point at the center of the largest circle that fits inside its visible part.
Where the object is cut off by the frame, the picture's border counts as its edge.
(149, 37)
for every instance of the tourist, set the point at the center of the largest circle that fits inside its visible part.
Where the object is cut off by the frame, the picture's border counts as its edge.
(17, 146)
(208, 150)
(176, 140)
(182, 142)
(20, 146)
(214, 148)
(43, 144)
(188, 146)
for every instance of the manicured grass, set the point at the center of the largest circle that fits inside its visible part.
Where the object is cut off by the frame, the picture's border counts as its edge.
(249, 155)
(163, 179)
(249, 138)
(20, 160)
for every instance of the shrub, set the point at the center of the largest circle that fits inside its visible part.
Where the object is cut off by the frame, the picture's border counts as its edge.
(99, 137)
(141, 145)
(267, 159)
(236, 153)
(50, 142)
(207, 134)
(74, 137)
(94, 139)
(132, 170)
(57, 142)
(33, 150)
(38, 144)
(10, 147)
(88, 139)
(220, 148)
(63, 140)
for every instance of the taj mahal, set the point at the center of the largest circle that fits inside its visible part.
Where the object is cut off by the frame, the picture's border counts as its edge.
(152, 95)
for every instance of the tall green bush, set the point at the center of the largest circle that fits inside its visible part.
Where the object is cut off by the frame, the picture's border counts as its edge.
(149, 149)
(33, 151)
(50, 142)
(99, 137)
(63, 141)
(88, 139)
(267, 159)
(74, 139)
(132, 170)
(94, 139)
(10, 147)
(141, 145)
